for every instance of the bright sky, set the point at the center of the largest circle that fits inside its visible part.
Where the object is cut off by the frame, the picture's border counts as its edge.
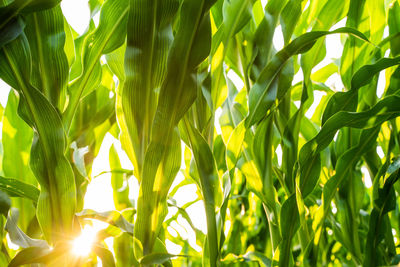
(99, 194)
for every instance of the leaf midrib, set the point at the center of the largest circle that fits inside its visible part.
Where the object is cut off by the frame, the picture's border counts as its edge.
(44, 142)
(43, 70)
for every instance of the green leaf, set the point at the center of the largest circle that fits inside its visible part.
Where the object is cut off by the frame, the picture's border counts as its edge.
(18, 237)
(78, 157)
(234, 146)
(109, 35)
(144, 72)
(11, 30)
(107, 258)
(344, 169)
(394, 166)
(48, 163)
(16, 188)
(309, 159)
(95, 6)
(210, 184)
(32, 255)
(236, 14)
(5, 203)
(263, 95)
(262, 150)
(45, 33)
(290, 15)
(118, 182)
(177, 93)
(17, 140)
(355, 52)
(156, 258)
(379, 221)
(111, 217)
(12, 25)
(289, 218)
(393, 23)
(348, 100)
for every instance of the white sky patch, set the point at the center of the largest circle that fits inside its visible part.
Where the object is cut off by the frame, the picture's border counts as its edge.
(278, 152)
(172, 231)
(77, 14)
(386, 32)
(336, 136)
(339, 24)
(334, 209)
(182, 232)
(218, 113)
(307, 5)
(99, 194)
(103, 59)
(237, 81)
(171, 212)
(317, 99)
(278, 40)
(367, 177)
(227, 227)
(264, 3)
(380, 152)
(191, 235)
(334, 47)
(10, 244)
(381, 84)
(172, 248)
(335, 82)
(116, 81)
(4, 91)
(133, 188)
(323, 63)
(298, 77)
(198, 216)
(185, 194)
(96, 19)
(123, 157)
(182, 228)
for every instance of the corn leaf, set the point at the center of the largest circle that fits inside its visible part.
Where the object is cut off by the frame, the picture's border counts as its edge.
(263, 95)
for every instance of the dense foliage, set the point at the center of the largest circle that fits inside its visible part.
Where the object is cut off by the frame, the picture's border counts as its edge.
(279, 188)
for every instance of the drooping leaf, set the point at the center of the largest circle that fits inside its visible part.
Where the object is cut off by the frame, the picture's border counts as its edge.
(12, 25)
(111, 217)
(5, 203)
(262, 94)
(16, 188)
(48, 162)
(106, 38)
(18, 237)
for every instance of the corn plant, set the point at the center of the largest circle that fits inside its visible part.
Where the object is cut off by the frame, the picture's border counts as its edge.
(290, 169)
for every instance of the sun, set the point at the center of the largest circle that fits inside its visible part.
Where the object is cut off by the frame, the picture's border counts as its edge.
(82, 245)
